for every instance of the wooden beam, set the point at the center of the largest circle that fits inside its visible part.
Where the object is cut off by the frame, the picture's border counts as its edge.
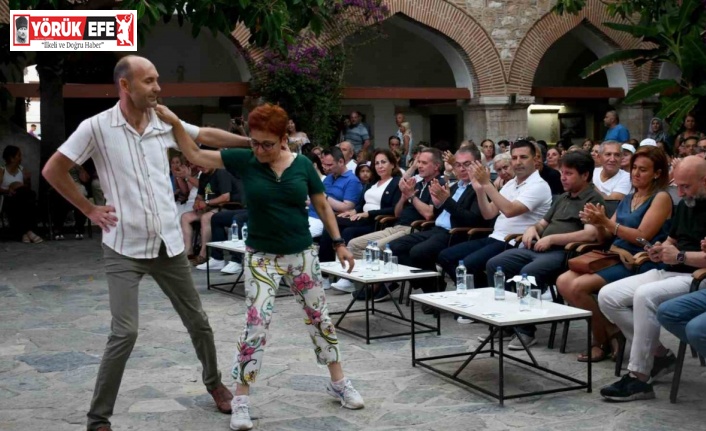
(240, 89)
(578, 92)
(169, 89)
(445, 93)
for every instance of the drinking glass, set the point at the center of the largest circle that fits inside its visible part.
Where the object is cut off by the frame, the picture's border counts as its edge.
(395, 264)
(536, 298)
(470, 283)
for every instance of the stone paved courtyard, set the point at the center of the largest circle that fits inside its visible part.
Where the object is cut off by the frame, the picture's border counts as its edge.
(54, 320)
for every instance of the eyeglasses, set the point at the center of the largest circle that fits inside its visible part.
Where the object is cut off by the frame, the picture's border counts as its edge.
(265, 145)
(463, 165)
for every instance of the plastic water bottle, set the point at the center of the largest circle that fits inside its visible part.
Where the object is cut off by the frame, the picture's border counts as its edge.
(499, 284)
(369, 255)
(244, 232)
(461, 287)
(387, 260)
(234, 230)
(523, 293)
(376, 257)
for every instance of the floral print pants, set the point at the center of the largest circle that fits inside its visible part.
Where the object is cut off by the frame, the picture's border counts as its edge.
(263, 273)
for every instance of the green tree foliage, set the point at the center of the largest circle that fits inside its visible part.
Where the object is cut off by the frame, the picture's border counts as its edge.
(674, 32)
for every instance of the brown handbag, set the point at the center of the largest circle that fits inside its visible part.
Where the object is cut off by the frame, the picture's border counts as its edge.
(593, 261)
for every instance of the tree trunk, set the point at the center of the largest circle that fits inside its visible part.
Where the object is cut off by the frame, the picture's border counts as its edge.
(50, 66)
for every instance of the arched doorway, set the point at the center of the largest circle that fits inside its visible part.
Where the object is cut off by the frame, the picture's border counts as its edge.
(577, 112)
(409, 54)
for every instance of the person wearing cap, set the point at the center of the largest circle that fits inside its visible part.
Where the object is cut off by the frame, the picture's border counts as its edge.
(610, 180)
(21, 26)
(627, 151)
(648, 142)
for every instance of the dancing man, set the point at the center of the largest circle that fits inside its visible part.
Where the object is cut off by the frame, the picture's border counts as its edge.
(129, 144)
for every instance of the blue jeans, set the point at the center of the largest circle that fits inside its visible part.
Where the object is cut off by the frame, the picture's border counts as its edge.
(220, 224)
(475, 254)
(685, 317)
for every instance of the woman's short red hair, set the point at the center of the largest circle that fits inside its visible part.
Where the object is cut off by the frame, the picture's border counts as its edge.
(269, 118)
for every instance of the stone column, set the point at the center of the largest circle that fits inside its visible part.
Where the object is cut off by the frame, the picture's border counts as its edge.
(636, 118)
(495, 118)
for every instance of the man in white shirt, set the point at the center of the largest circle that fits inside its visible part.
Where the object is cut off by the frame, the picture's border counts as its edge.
(348, 153)
(129, 144)
(610, 181)
(521, 203)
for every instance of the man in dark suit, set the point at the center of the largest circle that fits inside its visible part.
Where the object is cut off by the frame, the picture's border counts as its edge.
(454, 207)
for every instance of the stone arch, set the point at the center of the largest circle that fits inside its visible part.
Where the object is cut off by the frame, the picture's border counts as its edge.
(551, 27)
(473, 44)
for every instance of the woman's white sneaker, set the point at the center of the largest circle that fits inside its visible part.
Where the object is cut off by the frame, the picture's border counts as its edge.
(349, 397)
(240, 418)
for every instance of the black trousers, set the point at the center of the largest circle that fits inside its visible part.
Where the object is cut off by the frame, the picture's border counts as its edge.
(420, 250)
(21, 209)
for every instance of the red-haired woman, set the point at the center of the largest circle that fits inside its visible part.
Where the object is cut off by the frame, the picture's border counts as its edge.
(279, 244)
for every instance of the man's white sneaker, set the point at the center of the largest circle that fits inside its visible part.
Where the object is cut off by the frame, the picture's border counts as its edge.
(343, 285)
(213, 265)
(349, 397)
(516, 344)
(232, 268)
(240, 418)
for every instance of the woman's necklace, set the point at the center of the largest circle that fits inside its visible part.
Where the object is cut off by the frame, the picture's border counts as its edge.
(278, 176)
(637, 201)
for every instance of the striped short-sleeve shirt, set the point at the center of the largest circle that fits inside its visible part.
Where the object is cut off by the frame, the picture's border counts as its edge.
(134, 173)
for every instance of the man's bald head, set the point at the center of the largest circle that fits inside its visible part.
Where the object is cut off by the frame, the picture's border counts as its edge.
(125, 67)
(690, 179)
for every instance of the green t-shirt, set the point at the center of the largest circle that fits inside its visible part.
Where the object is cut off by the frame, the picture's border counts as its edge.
(278, 221)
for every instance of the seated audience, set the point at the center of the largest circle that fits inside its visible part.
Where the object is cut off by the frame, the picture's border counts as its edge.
(596, 154)
(521, 203)
(553, 158)
(342, 188)
(504, 146)
(541, 253)
(632, 303)
(455, 207)
(487, 148)
(20, 201)
(316, 161)
(503, 167)
(379, 197)
(414, 204)
(626, 155)
(550, 175)
(186, 183)
(609, 180)
(685, 316)
(644, 214)
(348, 155)
(216, 186)
(221, 222)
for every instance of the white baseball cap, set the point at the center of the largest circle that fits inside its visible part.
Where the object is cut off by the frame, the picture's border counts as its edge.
(648, 143)
(628, 147)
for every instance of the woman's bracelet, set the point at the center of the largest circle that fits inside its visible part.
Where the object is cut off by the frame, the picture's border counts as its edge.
(615, 232)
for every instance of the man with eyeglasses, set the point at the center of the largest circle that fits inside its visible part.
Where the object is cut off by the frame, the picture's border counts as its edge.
(521, 203)
(455, 207)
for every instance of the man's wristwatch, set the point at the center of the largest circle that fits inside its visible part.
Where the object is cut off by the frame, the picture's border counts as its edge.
(206, 202)
(337, 242)
(681, 257)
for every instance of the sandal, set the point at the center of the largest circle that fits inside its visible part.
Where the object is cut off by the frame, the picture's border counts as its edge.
(25, 239)
(605, 353)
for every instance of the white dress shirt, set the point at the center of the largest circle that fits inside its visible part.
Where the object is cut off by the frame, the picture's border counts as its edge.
(134, 174)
